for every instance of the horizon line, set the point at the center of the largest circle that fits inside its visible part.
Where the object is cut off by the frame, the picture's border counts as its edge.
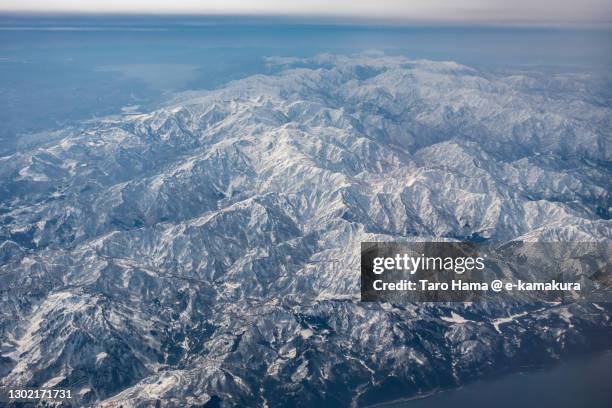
(326, 17)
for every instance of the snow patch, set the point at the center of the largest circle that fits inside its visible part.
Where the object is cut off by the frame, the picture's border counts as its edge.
(455, 318)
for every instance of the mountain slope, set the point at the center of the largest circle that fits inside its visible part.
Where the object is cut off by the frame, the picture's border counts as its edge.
(208, 251)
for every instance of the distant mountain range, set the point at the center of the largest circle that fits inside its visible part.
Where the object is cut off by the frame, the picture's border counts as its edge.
(190, 255)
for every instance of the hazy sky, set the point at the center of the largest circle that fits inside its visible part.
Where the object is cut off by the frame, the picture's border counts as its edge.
(520, 11)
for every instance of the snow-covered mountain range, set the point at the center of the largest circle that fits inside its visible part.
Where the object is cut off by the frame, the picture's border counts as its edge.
(208, 252)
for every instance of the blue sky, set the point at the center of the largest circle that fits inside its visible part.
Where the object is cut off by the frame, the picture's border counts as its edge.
(488, 11)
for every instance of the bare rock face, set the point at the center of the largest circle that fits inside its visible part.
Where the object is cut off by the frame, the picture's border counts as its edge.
(208, 252)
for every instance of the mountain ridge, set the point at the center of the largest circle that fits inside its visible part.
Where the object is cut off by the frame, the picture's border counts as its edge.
(191, 254)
